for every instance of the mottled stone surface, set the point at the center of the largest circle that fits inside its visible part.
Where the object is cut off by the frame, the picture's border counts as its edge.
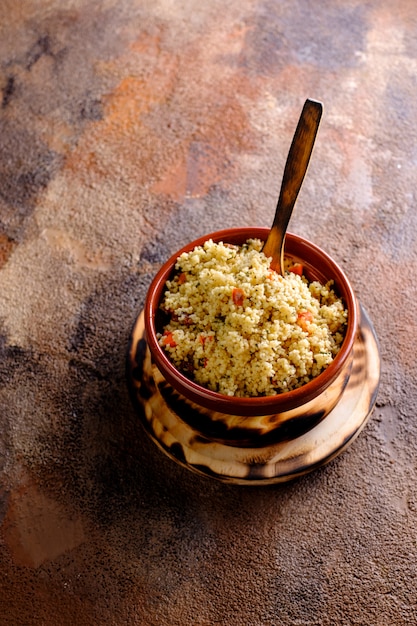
(127, 128)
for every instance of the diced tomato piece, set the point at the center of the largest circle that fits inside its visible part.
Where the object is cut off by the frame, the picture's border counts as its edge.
(297, 268)
(169, 339)
(304, 319)
(238, 296)
(182, 278)
(204, 338)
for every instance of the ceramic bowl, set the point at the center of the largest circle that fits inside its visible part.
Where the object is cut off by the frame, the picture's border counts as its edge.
(255, 421)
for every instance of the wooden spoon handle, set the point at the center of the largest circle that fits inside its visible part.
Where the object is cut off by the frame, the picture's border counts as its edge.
(294, 172)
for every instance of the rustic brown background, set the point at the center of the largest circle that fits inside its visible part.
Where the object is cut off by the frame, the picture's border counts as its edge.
(127, 128)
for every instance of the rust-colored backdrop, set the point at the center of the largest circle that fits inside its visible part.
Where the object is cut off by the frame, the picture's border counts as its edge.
(127, 128)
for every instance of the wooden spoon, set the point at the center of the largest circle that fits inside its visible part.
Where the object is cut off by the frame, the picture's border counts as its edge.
(294, 172)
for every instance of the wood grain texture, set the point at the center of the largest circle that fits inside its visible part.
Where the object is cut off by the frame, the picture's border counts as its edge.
(295, 169)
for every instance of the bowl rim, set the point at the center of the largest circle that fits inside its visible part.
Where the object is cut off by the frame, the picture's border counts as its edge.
(259, 405)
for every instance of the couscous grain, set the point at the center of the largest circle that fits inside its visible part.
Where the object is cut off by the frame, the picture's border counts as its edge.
(239, 328)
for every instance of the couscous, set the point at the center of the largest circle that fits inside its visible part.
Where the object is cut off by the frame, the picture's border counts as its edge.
(239, 328)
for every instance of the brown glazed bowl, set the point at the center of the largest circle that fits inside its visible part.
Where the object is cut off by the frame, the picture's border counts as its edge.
(256, 421)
